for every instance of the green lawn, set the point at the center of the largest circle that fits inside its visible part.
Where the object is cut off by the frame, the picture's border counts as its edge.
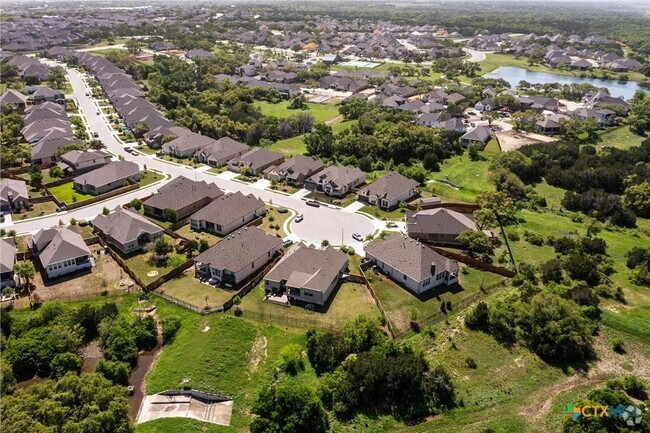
(38, 209)
(394, 215)
(296, 146)
(470, 176)
(278, 220)
(146, 150)
(321, 112)
(106, 43)
(349, 300)
(187, 233)
(337, 201)
(67, 194)
(620, 137)
(46, 177)
(188, 289)
(106, 51)
(147, 177)
(220, 354)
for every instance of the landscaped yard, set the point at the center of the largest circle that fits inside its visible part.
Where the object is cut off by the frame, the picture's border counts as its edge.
(147, 270)
(321, 112)
(147, 177)
(190, 162)
(349, 300)
(278, 220)
(67, 194)
(146, 150)
(398, 302)
(338, 201)
(189, 289)
(394, 215)
(187, 233)
(284, 187)
(46, 177)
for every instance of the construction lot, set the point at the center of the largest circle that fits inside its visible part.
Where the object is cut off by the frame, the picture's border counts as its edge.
(513, 139)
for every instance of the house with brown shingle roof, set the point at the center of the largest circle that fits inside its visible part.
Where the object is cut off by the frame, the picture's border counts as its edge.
(15, 99)
(257, 160)
(106, 178)
(7, 262)
(307, 274)
(220, 151)
(388, 191)
(77, 161)
(440, 226)
(294, 170)
(410, 263)
(61, 251)
(182, 195)
(237, 256)
(13, 195)
(126, 229)
(227, 213)
(336, 180)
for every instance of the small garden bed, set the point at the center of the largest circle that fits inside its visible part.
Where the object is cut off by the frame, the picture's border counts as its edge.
(337, 201)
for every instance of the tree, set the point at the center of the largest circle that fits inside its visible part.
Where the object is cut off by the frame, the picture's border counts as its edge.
(170, 215)
(479, 317)
(116, 372)
(136, 204)
(203, 245)
(475, 242)
(64, 363)
(56, 172)
(320, 142)
(170, 326)
(637, 199)
(289, 408)
(190, 246)
(160, 247)
(96, 144)
(490, 116)
(472, 152)
(525, 120)
(36, 179)
(7, 378)
(133, 46)
(106, 211)
(298, 103)
(56, 77)
(25, 271)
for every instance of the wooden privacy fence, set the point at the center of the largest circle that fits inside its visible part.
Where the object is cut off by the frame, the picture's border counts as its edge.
(475, 263)
(458, 207)
(252, 283)
(23, 170)
(389, 325)
(102, 197)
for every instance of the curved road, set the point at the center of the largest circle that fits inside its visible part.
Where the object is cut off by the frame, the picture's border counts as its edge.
(318, 224)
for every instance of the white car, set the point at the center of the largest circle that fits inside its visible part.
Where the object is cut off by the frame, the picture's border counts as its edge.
(299, 218)
(357, 236)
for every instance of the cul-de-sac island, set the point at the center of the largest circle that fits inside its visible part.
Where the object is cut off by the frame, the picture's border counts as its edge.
(323, 217)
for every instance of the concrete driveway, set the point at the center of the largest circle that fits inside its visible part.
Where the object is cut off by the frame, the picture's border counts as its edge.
(319, 223)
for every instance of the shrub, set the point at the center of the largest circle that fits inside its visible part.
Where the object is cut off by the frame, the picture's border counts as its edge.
(170, 326)
(470, 363)
(618, 346)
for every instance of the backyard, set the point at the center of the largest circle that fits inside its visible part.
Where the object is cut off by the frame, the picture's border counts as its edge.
(187, 232)
(321, 112)
(295, 145)
(147, 270)
(38, 209)
(188, 289)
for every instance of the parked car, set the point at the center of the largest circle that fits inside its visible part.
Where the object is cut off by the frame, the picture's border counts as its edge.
(357, 236)
(128, 150)
(287, 242)
(87, 93)
(391, 224)
(313, 203)
(299, 218)
(95, 134)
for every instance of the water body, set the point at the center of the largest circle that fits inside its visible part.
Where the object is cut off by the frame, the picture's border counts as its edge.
(514, 76)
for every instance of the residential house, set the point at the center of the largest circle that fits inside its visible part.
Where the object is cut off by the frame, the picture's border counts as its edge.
(111, 176)
(410, 263)
(7, 262)
(182, 195)
(219, 152)
(186, 145)
(227, 213)
(256, 160)
(331, 59)
(77, 161)
(440, 226)
(477, 135)
(162, 46)
(307, 274)
(237, 256)
(295, 170)
(388, 191)
(602, 116)
(550, 125)
(13, 195)
(45, 94)
(126, 229)
(198, 54)
(61, 251)
(43, 150)
(539, 103)
(15, 99)
(336, 180)
(44, 111)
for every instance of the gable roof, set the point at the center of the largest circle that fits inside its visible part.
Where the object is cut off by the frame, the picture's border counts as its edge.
(181, 192)
(479, 133)
(389, 187)
(78, 156)
(15, 188)
(258, 157)
(223, 148)
(12, 97)
(338, 175)
(108, 173)
(408, 256)
(309, 267)
(62, 244)
(7, 254)
(440, 221)
(239, 249)
(124, 226)
(228, 208)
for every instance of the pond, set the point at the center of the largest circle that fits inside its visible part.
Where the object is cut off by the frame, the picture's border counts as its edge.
(514, 76)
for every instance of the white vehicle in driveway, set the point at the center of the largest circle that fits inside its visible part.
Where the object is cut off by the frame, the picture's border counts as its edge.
(357, 236)
(299, 218)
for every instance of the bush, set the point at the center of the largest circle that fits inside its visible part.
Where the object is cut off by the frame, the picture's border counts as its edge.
(65, 362)
(292, 359)
(116, 372)
(470, 363)
(618, 346)
(83, 223)
(533, 238)
(170, 326)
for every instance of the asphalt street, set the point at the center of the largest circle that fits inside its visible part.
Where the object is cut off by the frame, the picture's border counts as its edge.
(319, 224)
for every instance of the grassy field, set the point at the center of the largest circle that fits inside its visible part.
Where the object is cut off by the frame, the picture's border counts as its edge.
(105, 43)
(321, 112)
(620, 137)
(295, 145)
(106, 51)
(219, 354)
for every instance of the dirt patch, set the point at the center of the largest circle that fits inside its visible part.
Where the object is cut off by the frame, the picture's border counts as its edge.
(513, 139)
(205, 329)
(104, 277)
(258, 352)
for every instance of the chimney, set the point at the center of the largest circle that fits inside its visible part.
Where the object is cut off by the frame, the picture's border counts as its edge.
(433, 268)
